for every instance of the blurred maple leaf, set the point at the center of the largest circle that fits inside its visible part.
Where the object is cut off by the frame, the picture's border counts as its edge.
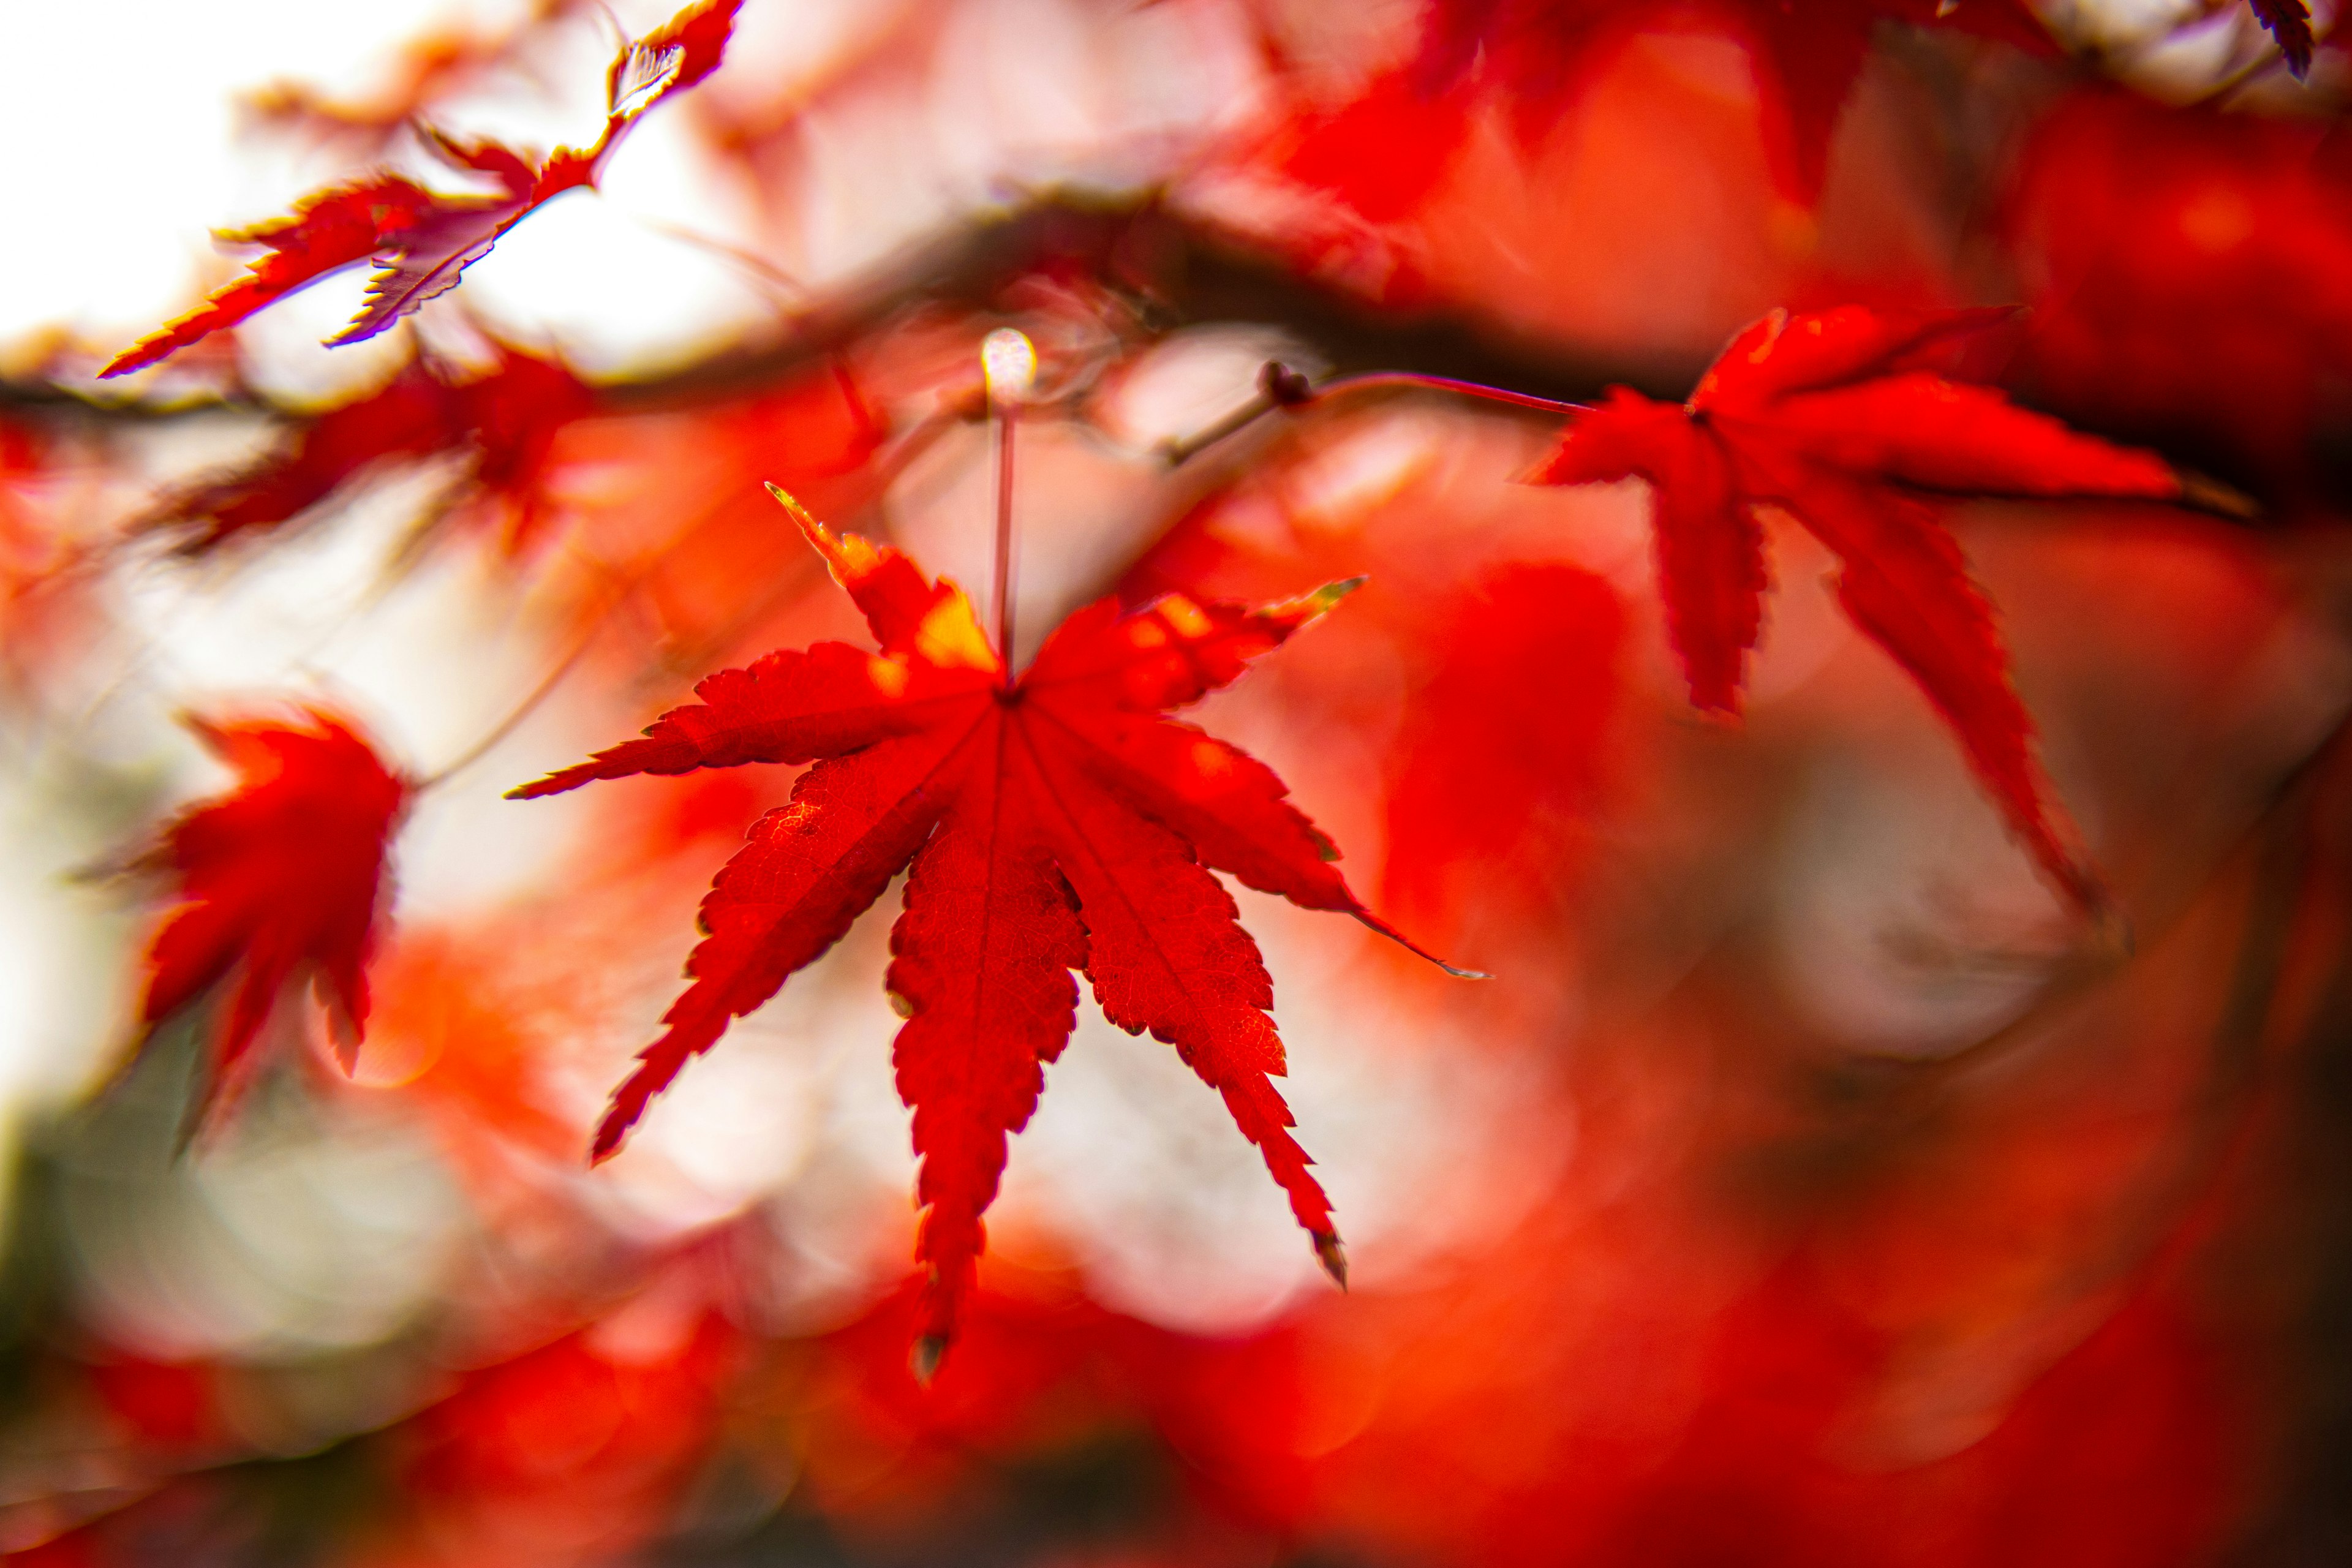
(282, 873)
(590, 1436)
(49, 599)
(506, 421)
(421, 240)
(2233, 230)
(1055, 822)
(1538, 55)
(1827, 418)
(1514, 714)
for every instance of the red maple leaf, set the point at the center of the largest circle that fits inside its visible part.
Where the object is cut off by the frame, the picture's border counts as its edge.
(1827, 418)
(283, 873)
(1055, 822)
(421, 240)
(505, 422)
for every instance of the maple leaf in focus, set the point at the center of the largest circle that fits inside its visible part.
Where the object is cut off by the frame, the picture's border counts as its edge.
(283, 873)
(421, 240)
(506, 421)
(1056, 823)
(1827, 418)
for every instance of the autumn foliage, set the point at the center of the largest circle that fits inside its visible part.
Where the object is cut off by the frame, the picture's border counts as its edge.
(1824, 417)
(1054, 822)
(279, 880)
(420, 241)
(1804, 542)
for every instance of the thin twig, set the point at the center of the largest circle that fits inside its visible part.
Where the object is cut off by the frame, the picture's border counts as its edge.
(627, 584)
(1280, 387)
(522, 709)
(1379, 380)
(1178, 450)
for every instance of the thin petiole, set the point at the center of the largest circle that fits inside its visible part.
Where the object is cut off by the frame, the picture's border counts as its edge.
(1375, 380)
(1006, 417)
(1009, 363)
(1279, 386)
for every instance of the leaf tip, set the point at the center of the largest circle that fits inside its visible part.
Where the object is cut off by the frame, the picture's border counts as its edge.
(609, 1133)
(1414, 948)
(1331, 594)
(2211, 495)
(550, 783)
(821, 538)
(1332, 1254)
(923, 1359)
(347, 1035)
(368, 323)
(2109, 924)
(2112, 936)
(1314, 605)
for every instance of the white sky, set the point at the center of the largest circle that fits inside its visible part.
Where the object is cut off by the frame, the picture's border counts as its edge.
(123, 150)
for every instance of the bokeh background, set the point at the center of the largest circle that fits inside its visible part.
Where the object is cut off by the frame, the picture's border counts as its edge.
(1808, 1185)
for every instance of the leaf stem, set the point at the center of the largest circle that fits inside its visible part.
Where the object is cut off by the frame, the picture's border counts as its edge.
(1008, 364)
(1007, 414)
(1281, 387)
(1478, 389)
